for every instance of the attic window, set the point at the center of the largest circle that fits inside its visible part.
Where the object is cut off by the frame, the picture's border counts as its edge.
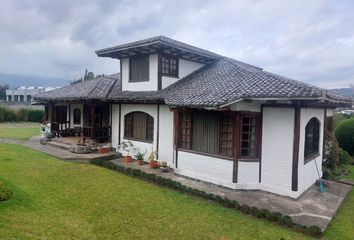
(139, 69)
(169, 66)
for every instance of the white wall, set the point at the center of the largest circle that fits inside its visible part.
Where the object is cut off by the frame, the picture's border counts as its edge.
(277, 148)
(248, 172)
(185, 67)
(115, 125)
(72, 108)
(166, 135)
(205, 168)
(146, 108)
(307, 172)
(150, 85)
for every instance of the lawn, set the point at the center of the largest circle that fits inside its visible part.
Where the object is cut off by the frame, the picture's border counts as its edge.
(55, 199)
(343, 226)
(22, 131)
(350, 168)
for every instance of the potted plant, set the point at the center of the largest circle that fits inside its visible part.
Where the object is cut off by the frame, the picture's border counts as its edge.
(127, 146)
(139, 156)
(152, 160)
(164, 166)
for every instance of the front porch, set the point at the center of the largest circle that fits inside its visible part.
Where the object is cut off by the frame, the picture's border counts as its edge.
(88, 121)
(311, 208)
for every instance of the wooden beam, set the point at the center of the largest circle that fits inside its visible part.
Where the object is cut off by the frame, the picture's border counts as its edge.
(295, 165)
(236, 144)
(158, 131)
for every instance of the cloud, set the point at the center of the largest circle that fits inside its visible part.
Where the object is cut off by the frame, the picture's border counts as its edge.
(310, 41)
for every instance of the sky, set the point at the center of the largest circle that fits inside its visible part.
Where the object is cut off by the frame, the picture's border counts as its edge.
(311, 41)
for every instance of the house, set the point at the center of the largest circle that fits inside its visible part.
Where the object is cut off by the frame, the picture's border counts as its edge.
(24, 94)
(212, 118)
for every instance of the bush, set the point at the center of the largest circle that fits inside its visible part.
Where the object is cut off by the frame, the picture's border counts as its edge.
(23, 115)
(345, 135)
(7, 115)
(344, 157)
(5, 192)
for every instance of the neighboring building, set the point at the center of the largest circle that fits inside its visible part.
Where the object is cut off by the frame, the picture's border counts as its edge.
(212, 118)
(25, 94)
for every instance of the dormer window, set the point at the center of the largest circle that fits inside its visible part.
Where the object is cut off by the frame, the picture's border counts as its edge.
(169, 66)
(139, 69)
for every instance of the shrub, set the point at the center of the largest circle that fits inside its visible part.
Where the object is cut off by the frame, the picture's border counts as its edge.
(35, 115)
(344, 157)
(22, 115)
(7, 115)
(5, 192)
(345, 135)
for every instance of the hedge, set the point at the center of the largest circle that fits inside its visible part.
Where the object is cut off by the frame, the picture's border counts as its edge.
(22, 115)
(345, 135)
(276, 217)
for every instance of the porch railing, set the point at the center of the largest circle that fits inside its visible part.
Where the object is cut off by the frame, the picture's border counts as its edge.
(99, 134)
(57, 127)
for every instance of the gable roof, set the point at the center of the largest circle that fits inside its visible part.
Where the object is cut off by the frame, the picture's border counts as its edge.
(220, 82)
(97, 88)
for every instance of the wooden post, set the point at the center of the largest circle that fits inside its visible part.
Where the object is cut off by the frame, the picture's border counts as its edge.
(294, 181)
(92, 120)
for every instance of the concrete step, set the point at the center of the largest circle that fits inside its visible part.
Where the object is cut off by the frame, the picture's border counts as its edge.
(60, 145)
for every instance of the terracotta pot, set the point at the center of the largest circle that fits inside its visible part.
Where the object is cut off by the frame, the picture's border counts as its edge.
(154, 164)
(140, 162)
(127, 159)
(104, 150)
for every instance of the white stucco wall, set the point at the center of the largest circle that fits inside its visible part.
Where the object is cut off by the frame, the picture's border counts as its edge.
(248, 172)
(185, 67)
(166, 135)
(307, 172)
(205, 168)
(140, 86)
(72, 108)
(277, 149)
(115, 125)
(330, 112)
(146, 108)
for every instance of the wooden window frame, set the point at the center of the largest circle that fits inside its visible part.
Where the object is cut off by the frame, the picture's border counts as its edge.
(316, 138)
(186, 145)
(129, 122)
(169, 58)
(258, 146)
(130, 69)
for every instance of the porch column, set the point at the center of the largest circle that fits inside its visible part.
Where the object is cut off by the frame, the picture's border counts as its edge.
(92, 120)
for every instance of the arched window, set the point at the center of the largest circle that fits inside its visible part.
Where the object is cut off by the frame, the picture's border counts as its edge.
(139, 126)
(312, 139)
(77, 116)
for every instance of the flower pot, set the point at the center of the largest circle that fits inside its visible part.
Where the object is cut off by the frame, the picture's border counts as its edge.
(140, 162)
(127, 159)
(154, 164)
(104, 150)
(164, 169)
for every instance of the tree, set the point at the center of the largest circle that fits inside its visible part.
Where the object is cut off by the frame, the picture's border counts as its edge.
(3, 89)
(87, 76)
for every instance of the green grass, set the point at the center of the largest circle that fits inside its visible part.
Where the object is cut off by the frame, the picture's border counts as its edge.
(343, 227)
(350, 175)
(54, 199)
(21, 131)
